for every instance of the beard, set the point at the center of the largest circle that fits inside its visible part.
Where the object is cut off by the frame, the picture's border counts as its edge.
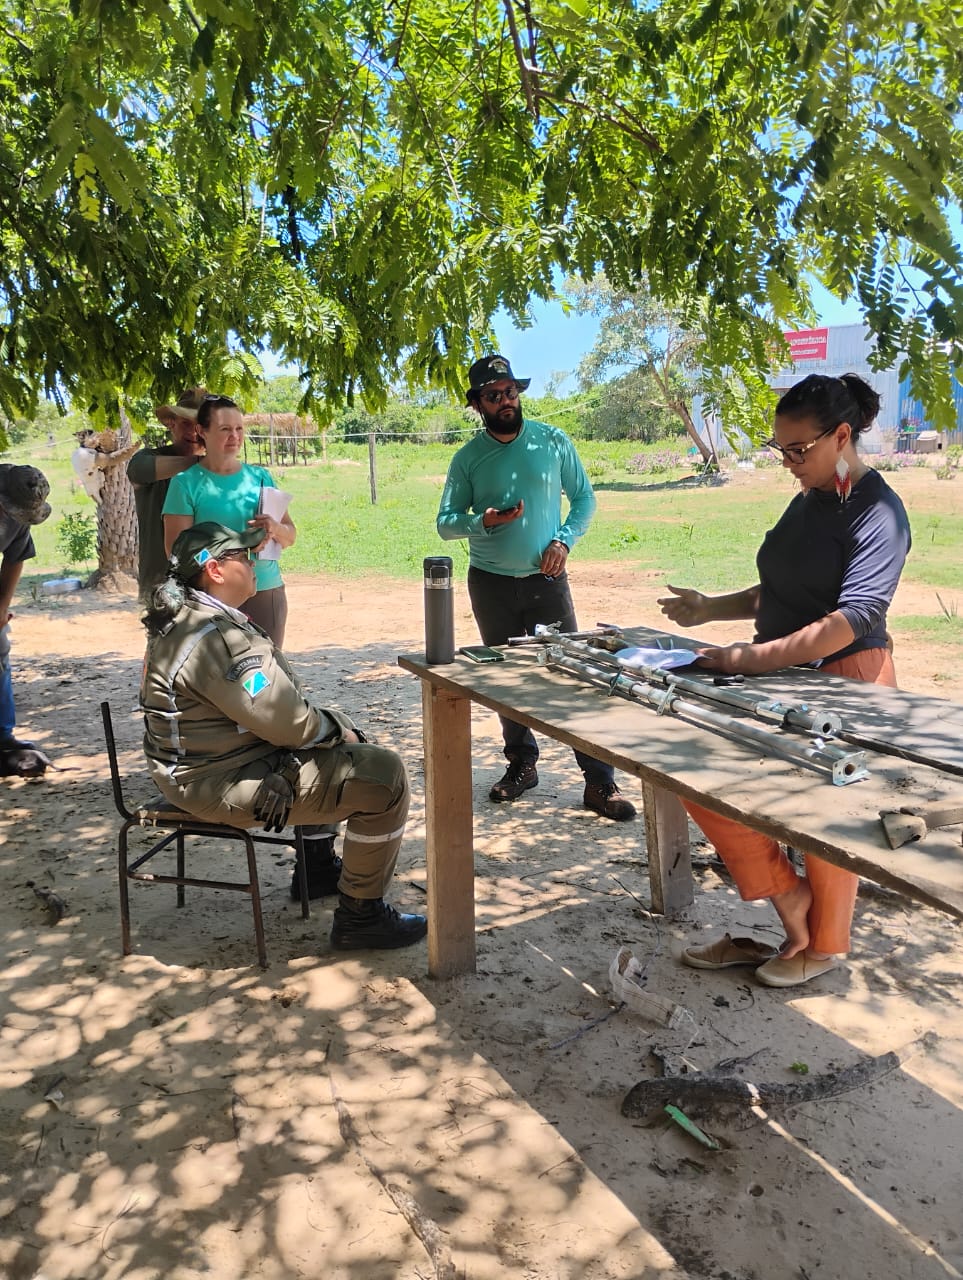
(504, 420)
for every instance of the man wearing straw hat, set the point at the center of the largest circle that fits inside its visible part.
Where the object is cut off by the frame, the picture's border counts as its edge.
(150, 471)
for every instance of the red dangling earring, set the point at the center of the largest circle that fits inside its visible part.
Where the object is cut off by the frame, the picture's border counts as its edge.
(844, 485)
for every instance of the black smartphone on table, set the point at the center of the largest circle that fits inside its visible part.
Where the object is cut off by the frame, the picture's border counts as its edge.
(481, 653)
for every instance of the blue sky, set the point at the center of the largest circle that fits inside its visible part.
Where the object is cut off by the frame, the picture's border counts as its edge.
(557, 341)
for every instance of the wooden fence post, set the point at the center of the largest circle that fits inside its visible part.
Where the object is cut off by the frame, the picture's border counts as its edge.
(371, 468)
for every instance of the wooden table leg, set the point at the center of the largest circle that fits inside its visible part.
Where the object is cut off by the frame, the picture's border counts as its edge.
(667, 840)
(450, 837)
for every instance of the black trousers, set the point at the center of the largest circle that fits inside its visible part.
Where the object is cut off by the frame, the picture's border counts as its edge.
(505, 607)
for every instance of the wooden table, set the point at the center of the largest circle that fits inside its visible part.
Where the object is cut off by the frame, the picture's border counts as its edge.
(673, 758)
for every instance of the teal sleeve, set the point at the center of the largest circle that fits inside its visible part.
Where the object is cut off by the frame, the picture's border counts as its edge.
(581, 496)
(454, 518)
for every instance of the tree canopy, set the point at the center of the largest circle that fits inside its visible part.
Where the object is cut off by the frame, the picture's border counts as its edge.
(360, 186)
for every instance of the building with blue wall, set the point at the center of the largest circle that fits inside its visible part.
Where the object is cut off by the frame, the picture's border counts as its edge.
(839, 349)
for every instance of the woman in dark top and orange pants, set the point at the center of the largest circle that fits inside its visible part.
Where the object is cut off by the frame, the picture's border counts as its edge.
(827, 574)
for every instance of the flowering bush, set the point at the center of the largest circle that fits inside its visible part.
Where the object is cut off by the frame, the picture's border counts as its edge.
(655, 464)
(899, 461)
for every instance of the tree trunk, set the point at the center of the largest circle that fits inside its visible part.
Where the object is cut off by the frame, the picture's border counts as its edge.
(116, 516)
(681, 409)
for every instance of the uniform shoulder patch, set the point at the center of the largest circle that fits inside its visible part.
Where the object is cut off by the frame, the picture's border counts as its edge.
(256, 683)
(250, 663)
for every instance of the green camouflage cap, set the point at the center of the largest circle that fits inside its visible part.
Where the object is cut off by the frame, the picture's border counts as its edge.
(206, 541)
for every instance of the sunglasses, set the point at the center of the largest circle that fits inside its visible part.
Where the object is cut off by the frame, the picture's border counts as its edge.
(496, 397)
(797, 452)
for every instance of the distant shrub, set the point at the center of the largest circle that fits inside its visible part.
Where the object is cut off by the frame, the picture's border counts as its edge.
(900, 461)
(764, 458)
(655, 464)
(77, 536)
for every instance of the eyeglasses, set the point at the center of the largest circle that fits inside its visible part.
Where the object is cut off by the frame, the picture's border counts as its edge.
(496, 397)
(225, 401)
(796, 453)
(244, 554)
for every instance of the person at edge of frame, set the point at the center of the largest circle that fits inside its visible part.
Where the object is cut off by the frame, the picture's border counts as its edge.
(827, 573)
(231, 738)
(150, 472)
(23, 503)
(504, 494)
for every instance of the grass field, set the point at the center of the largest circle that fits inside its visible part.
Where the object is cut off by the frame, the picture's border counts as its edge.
(706, 536)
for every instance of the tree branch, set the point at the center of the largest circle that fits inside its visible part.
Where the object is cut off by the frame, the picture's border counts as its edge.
(648, 140)
(523, 69)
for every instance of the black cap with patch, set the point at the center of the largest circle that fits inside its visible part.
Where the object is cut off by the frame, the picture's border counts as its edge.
(492, 369)
(206, 541)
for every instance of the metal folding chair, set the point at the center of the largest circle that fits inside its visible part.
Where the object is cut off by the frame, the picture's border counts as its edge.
(177, 824)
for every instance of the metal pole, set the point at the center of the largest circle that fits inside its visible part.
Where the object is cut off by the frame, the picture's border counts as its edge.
(844, 766)
(796, 715)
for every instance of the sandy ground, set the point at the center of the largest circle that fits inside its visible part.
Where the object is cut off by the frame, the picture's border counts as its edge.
(182, 1113)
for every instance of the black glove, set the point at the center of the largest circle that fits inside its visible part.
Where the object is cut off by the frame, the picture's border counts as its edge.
(277, 792)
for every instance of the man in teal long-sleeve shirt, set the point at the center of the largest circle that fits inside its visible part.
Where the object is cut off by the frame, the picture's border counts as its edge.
(504, 494)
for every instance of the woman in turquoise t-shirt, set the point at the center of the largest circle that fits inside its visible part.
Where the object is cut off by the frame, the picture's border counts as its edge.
(224, 488)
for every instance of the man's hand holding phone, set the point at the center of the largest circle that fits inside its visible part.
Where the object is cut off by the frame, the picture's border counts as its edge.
(493, 517)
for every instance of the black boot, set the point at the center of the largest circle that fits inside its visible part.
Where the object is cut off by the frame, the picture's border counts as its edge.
(360, 923)
(323, 868)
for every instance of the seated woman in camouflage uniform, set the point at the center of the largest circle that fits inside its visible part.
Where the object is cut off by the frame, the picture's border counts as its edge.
(230, 736)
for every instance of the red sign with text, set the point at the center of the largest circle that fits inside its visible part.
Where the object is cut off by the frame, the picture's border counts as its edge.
(807, 344)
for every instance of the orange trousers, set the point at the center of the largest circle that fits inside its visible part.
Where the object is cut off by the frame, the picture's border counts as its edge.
(758, 864)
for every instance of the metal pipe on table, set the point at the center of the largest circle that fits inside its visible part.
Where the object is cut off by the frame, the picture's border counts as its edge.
(824, 724)
(843, 767)
(549, 635)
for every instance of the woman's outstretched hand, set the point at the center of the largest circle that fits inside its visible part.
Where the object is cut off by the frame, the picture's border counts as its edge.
(741, 658)
(685, 606)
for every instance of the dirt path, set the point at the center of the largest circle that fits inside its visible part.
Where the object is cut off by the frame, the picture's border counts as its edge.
(176, 1114)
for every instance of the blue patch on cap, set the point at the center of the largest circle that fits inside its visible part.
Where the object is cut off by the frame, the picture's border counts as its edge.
(256, 683)
(203, 556)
